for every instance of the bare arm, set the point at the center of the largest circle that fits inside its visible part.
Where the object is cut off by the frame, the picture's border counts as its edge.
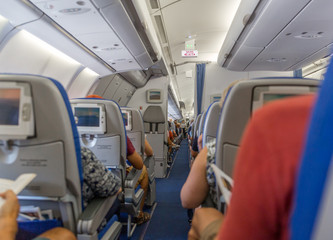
(148, 149)
(195, 189)
(136, 160)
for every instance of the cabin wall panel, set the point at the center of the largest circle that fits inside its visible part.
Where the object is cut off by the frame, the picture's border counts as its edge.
(5, 28)
(103, 84)
(22, 52)
(124, 93)
(138, 99)
(112, 87)
(216, 80)
(82, 83)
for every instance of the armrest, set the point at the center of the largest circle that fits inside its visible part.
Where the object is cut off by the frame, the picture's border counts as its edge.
(150, 164)
(132, 178)
(94, 214)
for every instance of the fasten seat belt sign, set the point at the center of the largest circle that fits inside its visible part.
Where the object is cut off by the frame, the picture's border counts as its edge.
(189, 53)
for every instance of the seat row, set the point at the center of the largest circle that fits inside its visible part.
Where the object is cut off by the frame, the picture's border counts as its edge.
(39, 134)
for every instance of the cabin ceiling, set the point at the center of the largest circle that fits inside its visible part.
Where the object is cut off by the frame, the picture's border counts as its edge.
(184, 20)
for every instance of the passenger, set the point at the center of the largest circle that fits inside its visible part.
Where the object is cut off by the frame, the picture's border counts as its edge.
(8, 224)
(97, 180)
(171, 139)
(200, 179)
(264, 176)
(136, 161)
(189, 131)
(194, 147)
(183, 127)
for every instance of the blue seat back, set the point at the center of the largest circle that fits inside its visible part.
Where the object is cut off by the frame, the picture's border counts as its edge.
(313, 214)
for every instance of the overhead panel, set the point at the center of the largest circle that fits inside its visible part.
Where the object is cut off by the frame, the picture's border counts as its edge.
(57, 39)
(117, 17)
(280, 35)
(309, 32)
(89, 24)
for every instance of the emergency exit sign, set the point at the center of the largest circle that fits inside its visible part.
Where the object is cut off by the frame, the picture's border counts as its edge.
(189, 53)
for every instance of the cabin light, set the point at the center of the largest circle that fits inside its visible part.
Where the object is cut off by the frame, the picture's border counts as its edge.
(81, 3)
(191, 36)
(314, 36)
(311, 35)
(108, 49)
(71, 11)
(276, 60)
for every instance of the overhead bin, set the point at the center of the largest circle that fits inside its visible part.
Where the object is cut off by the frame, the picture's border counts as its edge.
(278, 35)
(104, 27)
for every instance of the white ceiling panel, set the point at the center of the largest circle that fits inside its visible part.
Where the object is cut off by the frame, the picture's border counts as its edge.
(206, 23)
(22, 13)
(36, 57)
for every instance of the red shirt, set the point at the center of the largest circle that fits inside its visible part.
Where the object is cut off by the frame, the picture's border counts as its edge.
(130, 147)
(265, 171)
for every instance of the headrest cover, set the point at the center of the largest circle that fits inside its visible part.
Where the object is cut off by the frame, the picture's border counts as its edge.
(154, 114)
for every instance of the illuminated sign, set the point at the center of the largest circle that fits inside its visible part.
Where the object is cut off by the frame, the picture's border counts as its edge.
(189, 53)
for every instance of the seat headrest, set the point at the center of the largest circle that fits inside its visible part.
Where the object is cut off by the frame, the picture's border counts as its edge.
(154, 114)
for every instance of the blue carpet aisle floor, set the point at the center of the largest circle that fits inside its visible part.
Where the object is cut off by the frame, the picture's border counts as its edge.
(169, 219)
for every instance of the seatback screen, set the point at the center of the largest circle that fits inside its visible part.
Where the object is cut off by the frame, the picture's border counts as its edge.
(10, 106)
(125, 117)
(271, 97)
(87, 116)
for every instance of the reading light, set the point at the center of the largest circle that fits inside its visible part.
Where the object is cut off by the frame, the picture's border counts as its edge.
(309, 36)
(276, 60)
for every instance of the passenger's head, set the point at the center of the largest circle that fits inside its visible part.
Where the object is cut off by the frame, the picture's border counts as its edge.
(94, 96)
(225, 92)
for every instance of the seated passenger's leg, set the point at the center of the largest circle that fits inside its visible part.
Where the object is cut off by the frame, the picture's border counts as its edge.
(58, 233)
(144, 183)
(205, 224)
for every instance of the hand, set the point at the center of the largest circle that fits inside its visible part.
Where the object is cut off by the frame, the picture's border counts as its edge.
(11, 207)
(8, 214)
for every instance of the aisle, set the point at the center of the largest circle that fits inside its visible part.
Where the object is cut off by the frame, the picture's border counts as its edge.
(169, 220)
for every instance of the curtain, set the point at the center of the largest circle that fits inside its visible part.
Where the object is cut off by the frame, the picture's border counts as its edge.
(201, 69)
